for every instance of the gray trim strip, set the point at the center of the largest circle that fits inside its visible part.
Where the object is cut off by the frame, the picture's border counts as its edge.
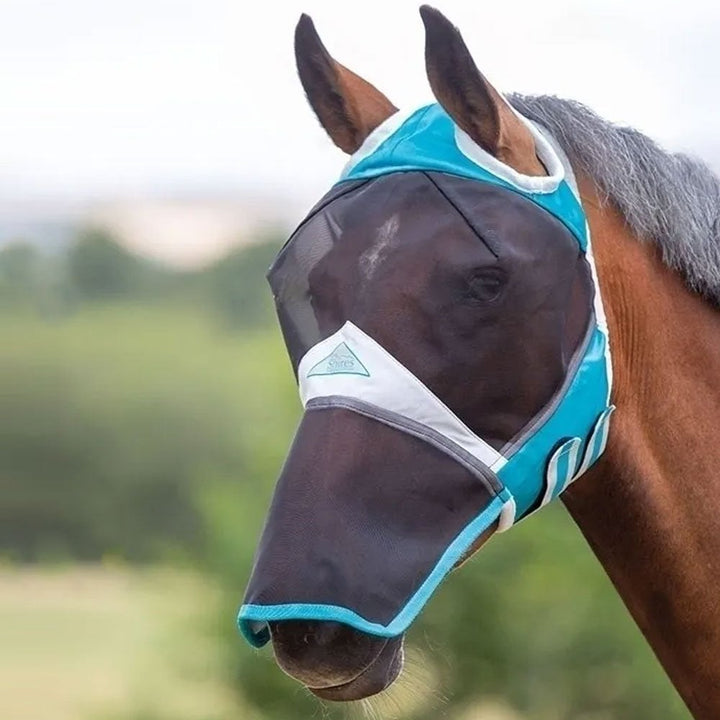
(412, 427)
(511, 447)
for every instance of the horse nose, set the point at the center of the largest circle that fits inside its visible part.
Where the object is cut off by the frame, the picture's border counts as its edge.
(322, 654)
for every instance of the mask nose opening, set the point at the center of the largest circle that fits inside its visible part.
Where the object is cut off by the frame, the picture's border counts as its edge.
(256, 632)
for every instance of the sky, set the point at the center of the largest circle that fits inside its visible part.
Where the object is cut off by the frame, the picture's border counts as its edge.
(107, 97)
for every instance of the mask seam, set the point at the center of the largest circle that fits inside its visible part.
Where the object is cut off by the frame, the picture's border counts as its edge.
(398, 422)
(512, 446)
(418, 386)
(482, 238)
(314, 211)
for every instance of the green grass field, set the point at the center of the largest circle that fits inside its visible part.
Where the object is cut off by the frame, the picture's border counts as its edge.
(101, 642)
(105, 643)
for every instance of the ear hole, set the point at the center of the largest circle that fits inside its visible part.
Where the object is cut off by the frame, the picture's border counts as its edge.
(470, 100)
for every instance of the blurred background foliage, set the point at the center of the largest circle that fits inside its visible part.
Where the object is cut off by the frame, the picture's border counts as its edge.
(145, 415)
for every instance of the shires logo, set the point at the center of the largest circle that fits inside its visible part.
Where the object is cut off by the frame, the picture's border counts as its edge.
(341, 361)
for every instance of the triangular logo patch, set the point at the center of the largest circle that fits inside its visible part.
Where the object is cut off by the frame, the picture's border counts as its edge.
(341, 361)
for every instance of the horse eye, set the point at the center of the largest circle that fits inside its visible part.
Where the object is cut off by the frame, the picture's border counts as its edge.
(485, 285)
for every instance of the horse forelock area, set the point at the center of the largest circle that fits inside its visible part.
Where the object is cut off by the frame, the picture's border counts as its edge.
(670, 199)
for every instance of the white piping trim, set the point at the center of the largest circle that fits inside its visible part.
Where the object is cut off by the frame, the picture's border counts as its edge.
(571, 449)
(600, 317)
(378, 136)
(507, 516)
(529, 183)
(602, 428)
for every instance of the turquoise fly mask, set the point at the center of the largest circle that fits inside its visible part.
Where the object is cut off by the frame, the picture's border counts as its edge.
(368, 545)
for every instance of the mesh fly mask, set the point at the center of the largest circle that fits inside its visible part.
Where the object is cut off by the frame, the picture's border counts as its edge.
(367, 544)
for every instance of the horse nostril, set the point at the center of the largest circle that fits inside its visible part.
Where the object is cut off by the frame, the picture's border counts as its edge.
(327, 633)
(322, 654)
(294, 633)
(318, 634)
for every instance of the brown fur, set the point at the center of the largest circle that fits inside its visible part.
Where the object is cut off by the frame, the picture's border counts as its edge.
(348, 107)
(648, 509)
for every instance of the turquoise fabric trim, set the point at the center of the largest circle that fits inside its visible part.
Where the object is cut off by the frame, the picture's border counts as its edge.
(250, 614)
(575, 416)
(426, 141)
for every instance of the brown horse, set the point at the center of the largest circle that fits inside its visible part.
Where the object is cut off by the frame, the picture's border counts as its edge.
(649, 508)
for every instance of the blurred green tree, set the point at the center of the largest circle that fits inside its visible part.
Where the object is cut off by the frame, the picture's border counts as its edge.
(19, 272)
(237, 287)
(100, 268)
(108, 421)
(31, 280)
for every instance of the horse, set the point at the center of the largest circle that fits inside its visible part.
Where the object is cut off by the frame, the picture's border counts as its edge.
(436, 294)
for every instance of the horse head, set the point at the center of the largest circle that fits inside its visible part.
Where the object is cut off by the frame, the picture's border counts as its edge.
(436, 305)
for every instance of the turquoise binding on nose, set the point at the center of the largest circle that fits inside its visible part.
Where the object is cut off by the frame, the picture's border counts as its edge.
(252, 619)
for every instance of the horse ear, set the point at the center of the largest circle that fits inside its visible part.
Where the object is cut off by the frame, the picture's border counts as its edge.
(348, 107)
(470, 100)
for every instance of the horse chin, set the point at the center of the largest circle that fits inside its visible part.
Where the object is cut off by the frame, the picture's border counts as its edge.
(374, 679)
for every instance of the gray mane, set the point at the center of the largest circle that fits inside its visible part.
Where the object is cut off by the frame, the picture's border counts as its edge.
(668, 198)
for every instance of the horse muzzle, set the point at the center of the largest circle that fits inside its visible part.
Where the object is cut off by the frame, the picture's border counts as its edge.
(334, 661)
(365, 523)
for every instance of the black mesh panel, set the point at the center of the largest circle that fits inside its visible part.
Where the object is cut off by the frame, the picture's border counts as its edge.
(358, 528)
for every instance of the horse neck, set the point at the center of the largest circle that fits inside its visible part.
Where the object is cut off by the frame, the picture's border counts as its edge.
(650, 509)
